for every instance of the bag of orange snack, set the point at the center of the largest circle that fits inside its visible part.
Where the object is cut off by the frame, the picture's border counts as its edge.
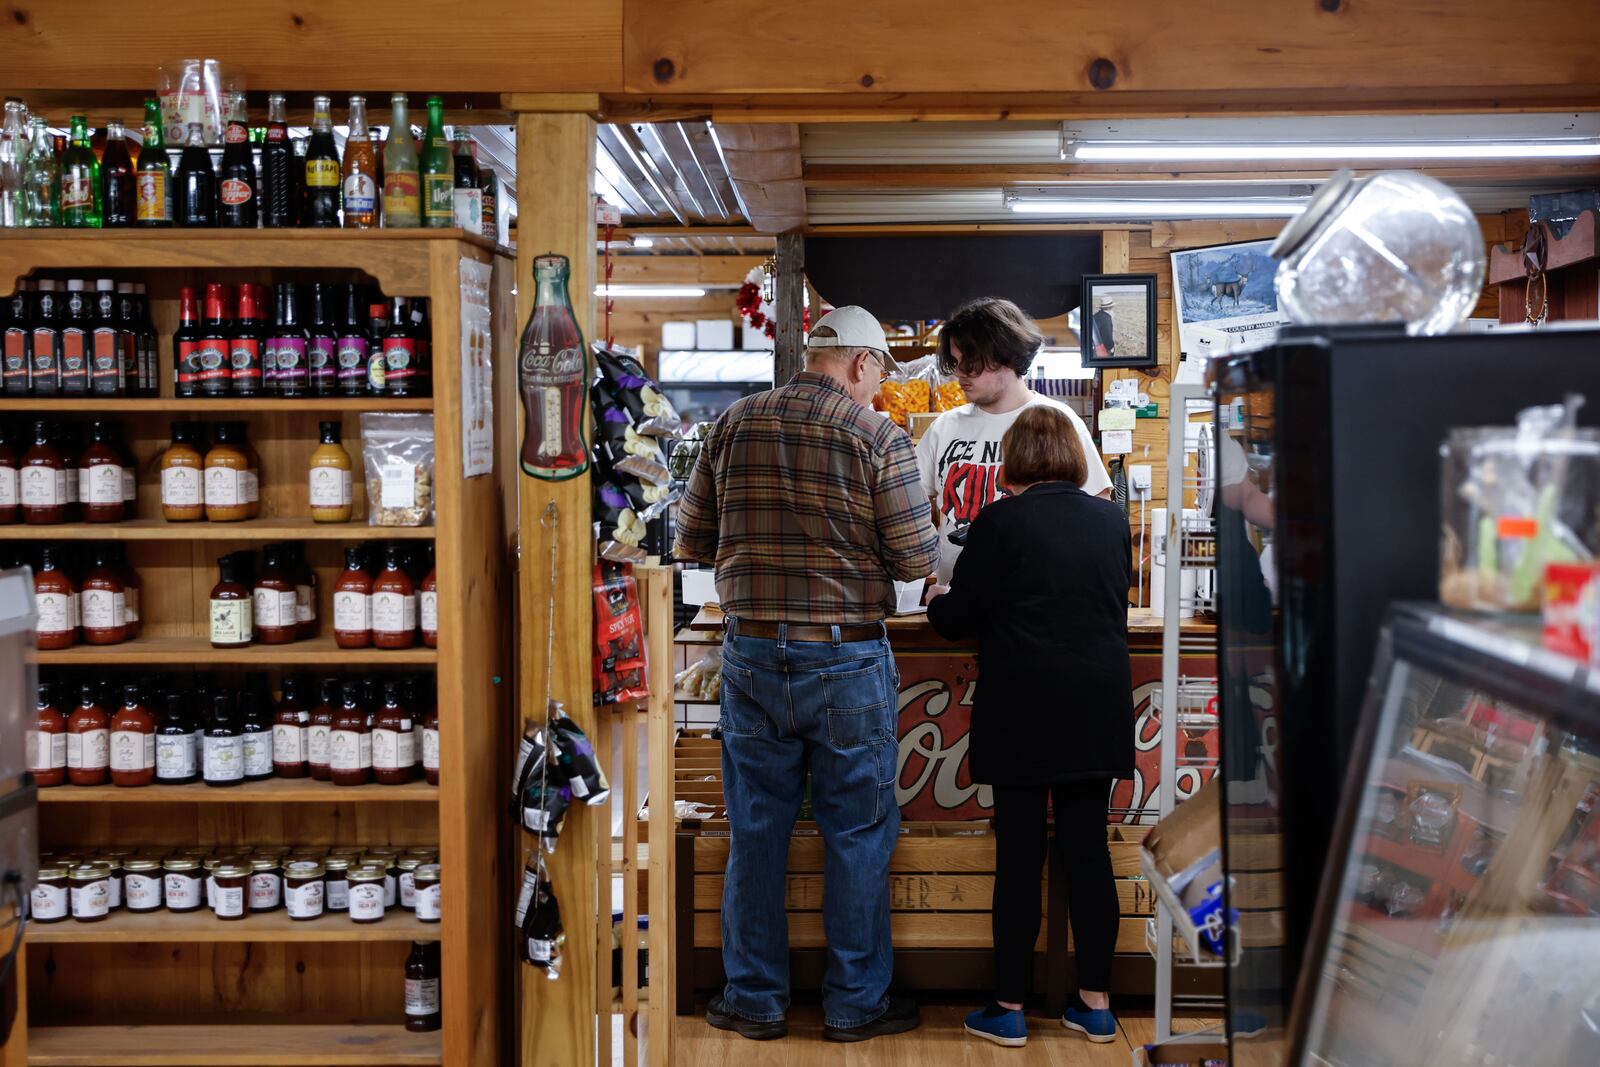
(908, 389)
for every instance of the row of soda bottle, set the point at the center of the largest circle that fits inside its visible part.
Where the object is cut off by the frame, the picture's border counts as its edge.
(82, 338)
(46, 180)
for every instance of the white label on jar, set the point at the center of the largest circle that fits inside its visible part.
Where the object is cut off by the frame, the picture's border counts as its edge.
(305, 605)
(91, 899)
(393, 750)
(430, 749)
(223, 487)
(318, 744)
(74, 617)
(391, 889)
(132, 750)
(258, 753)
(349, 750)
(231, 622)
(143, 892)
(338, 888)
(183, 891)
(427, 901)
(45, 751)
(130, 602)
(67, 485)
(430, 611)
(408, 889)
(115, 882)
(366, 900)
(89, 750)
(329, 487)
(130, 486)
(55, 612)
(48, 902)
(101, 484)
(180, 487)
(288, 743)
(228, 901)
(264, 889)
(224, 759)
(304, 901)
(103, 609)
(8, 487)
(175, 756)
(42, 487)
(250, 484)
(274, 608)
(398, 481)
(393, 613)
(422, 996)
(352, 611)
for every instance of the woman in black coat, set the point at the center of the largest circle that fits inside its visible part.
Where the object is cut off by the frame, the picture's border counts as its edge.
(1043, 585)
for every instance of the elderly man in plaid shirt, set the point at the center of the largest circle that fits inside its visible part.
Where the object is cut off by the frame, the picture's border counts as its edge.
(810, 505)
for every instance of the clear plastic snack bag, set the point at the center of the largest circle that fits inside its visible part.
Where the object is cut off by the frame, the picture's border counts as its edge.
(909, 389)
(652, 413)
(397, 459)
(192, 90)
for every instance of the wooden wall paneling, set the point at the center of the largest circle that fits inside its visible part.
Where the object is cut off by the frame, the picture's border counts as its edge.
(682, 270)
(555, 161)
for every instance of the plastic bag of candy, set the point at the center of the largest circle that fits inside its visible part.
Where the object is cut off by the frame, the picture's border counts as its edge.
(652, 413)
(617, 437)
(579, 764)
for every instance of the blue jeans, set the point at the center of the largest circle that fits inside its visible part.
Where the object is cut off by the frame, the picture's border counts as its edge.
(829, 708)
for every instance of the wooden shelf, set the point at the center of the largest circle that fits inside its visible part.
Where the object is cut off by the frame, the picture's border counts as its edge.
(270, 791)
(163, 927)
(284, 528)
(197, 651)
(221, 406)
(226, 1042)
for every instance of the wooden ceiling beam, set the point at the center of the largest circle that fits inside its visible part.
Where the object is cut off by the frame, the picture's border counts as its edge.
(714, 270)
(989, 175)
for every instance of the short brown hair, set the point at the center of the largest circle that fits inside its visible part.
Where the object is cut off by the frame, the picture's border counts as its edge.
(991, 332)
(1042, 446)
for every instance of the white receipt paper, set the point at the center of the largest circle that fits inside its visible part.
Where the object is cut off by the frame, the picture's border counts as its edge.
(1116, 442)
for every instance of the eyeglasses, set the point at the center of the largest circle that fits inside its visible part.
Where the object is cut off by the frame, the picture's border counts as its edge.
(883, 367)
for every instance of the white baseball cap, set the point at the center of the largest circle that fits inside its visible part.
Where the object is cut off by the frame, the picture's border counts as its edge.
(853, 327)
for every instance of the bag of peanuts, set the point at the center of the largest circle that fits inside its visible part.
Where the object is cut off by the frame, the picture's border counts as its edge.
(397, 462)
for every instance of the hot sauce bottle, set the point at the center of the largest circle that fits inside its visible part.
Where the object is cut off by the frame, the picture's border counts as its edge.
(182, 478)
(350, 742)
(47, 741)
(132, 588)
(394, 604)
(223, 757)
(274, 601)
(88, 739)
(215, 377)
(319, 730)
(55, 599)
(256, 726)
(352, 603)
(393, 739)
(177, 756)
(430, 745)
(75, 340)
(100, 475)
(249, 337)
(232, 621)
(42, 480)
(10, 506)
(186, 344)
(289, 732)
(104, 602)
(399, 354)
(44, 376)
(133, 741)
(305, 587)
(428, 606)
(322, 345)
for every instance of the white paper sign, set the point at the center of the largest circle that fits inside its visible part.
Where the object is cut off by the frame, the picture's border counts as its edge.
(477, 369)
(1116, 442)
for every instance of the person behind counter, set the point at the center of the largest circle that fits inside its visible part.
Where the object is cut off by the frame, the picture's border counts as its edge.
(988, 345)
(809, 504)
(1043, 586)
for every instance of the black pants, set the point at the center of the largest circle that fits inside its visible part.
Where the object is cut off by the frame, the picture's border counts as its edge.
(1020, 846)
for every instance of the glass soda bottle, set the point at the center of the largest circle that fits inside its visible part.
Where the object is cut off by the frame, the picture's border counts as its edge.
(196, 195)
(40, 178)
(552, 375)
(468, 189)
(321, 168)
(239, 204)
(278, 207)
(80, 180)
(360, 171)
(116, 178)
(154, 197)
(13, 150)
(438, 171)
(402, 182)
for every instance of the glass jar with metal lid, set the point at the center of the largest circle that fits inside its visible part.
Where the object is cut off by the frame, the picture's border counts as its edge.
(407, 881)
(183, 887)
(141, 884)
(304, 892)
(48, 903)
(266, 883)
(230, 892)
(210, 864)
(367, 901)
(91, 892)
(387, 860)
(115, 881)
(427, 893)
(336, 882)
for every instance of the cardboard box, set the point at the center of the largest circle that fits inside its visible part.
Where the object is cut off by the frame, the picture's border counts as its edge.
(699, 587)
(677, 336)
(713, 335)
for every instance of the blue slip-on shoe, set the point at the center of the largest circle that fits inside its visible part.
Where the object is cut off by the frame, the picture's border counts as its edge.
(1009, 1029)
(1098, 1026)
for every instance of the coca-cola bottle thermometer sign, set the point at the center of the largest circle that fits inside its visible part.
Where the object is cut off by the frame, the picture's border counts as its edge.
(553, 377)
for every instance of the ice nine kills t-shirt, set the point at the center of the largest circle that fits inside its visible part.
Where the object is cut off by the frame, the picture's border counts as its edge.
(959, 458)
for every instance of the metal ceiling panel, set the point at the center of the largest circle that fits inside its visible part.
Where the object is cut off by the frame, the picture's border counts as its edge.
(889, 143)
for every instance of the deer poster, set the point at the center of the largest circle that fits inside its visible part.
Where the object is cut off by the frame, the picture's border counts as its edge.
(1223, 297)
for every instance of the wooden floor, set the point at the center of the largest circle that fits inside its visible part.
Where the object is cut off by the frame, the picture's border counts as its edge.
(938, 1042)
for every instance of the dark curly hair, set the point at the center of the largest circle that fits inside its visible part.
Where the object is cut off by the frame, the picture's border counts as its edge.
(991, 332)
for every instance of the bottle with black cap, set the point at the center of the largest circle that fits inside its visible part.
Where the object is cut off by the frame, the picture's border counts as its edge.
(224, 745)
(175, 744)
(257, 728)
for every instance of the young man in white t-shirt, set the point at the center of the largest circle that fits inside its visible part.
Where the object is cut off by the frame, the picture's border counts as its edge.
(987, 345)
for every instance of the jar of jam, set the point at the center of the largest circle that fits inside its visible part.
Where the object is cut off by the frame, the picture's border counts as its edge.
(367, 902)
(426, 893)
(115, 880)
(142, 889)
(227, 470)
(266, 884)
(232, 620)
(88, 739)
(100, 475)
(336, 882)
(276, 622)
(103, 601)
(47, 741)
(319, 731)
(230, 890)
(349, 741)
(132, 588)
(406, 881)
(393, 740)
(394, 604)
(183, 883)
(42, 479)
(10, 507)
(289, 733)
(91, 892)
(303, 889)
(428, 608)
(133, 741)
(182, 476)
(55, 599)
(352, 602)
(388, 861)
(48, 903)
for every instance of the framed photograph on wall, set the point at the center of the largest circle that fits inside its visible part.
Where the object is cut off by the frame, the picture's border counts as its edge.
(1118, 315)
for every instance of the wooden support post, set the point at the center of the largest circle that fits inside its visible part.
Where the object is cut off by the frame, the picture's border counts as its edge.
(657, 607)
(1114, 252)
(555, 169)
(788, 357)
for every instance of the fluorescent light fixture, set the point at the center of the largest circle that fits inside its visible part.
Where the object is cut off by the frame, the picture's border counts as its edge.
(650, 290)
(1112, 152)
(1106, 208)
(644, 242)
